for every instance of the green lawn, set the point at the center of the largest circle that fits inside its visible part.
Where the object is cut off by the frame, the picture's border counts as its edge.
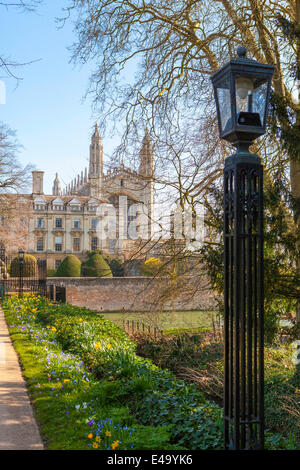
(166, 320)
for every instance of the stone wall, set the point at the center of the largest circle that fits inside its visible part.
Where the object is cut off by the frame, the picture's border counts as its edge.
(133, 294)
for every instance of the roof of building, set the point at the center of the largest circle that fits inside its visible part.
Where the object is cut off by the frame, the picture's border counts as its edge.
(46, 198)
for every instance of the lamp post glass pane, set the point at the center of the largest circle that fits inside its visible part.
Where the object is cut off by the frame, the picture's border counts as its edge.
(224, 104)
(251, 95)
(260, 99)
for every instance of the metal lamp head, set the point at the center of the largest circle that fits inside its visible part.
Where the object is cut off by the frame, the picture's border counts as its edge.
(21, 255)
(242, 91)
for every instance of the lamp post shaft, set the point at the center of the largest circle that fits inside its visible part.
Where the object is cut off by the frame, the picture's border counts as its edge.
(21, 273)
(21, 279)
(243, 302)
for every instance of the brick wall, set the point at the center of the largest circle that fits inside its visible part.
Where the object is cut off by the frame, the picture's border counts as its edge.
(134, 294)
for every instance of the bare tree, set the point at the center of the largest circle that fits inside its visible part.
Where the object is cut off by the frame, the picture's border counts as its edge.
(8, 66)
(14, 179)
(23, 4)
(173, 47)
(14, 224)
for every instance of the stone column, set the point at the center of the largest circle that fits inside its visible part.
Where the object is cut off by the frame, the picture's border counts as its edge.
(50, 246)
(31, 245)
(85, 243)
(68, 239)
(123, 222)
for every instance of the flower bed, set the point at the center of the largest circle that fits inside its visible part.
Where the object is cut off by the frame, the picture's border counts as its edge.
(91, 390)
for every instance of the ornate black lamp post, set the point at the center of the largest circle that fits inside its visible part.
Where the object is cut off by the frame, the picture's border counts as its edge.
(242, 89)
(21, 265)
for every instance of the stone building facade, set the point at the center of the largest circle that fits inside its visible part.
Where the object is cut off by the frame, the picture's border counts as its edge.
(70, 220)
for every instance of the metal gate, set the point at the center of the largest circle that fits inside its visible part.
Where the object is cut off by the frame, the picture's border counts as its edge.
(57, 293)
(21, 274)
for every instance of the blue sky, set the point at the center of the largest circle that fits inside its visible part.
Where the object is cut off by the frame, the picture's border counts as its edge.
(46, 109)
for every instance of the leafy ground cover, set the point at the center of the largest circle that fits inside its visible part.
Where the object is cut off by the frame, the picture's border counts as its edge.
(91, 390)
(198, 358)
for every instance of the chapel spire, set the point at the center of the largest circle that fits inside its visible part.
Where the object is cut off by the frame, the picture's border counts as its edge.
(56, 189)
(96, 154)
(146, 156)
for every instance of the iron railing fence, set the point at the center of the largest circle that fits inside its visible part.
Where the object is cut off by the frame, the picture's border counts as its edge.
(19, 276)
(137, 326)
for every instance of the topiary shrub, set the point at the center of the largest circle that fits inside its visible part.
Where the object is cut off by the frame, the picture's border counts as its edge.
(51, 272)
(30, 268)
(90, 253)
(96, 266)
(70, 267)
(151, 266)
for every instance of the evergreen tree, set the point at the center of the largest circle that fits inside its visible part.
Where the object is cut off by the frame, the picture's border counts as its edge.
(116, 265)
(281, 286)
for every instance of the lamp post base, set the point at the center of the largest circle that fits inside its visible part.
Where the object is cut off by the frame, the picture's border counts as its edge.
(243, 302)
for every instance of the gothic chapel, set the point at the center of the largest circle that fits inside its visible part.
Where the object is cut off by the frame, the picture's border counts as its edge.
(66, 221)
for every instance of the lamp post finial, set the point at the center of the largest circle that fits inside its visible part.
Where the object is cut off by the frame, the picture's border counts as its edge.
(241, 51)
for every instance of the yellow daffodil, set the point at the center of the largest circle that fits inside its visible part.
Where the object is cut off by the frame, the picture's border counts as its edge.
(53, 329)
(115, 444)
(109, 346)
(98, 345)
(98, 439)
(108, 433)
(48, 326)
(80, 320)
(95, 445)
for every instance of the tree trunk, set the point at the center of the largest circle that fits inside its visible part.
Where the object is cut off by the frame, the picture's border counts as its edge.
(295, 162)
